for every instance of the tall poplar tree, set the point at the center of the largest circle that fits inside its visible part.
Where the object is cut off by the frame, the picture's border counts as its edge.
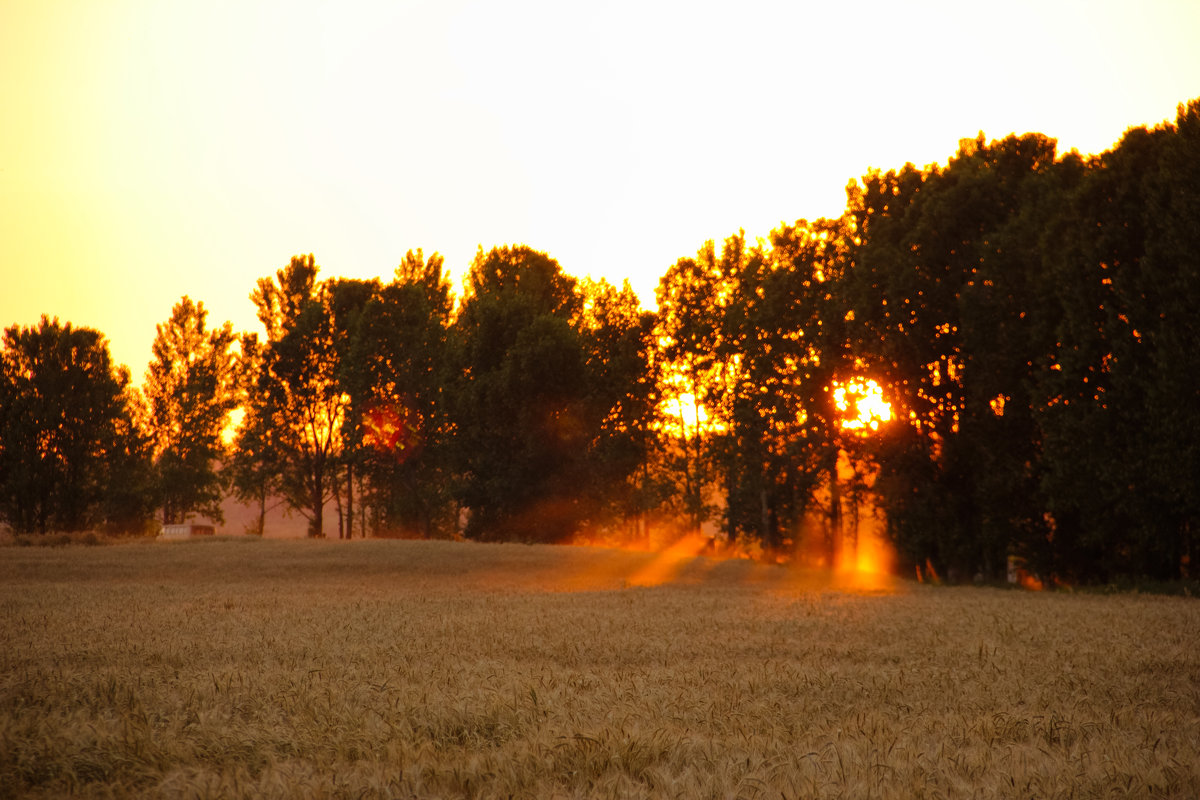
(1118, 405)
(395, 369)
(296, 403)
(691, 298)
(619, 406)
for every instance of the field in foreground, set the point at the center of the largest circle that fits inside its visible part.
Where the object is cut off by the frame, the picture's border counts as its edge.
(429, 669)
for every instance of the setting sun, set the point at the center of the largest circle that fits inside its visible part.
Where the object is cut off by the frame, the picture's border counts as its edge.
(687, 415)
(861, 402)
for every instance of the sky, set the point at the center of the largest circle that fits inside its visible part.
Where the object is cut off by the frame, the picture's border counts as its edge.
(151, 149)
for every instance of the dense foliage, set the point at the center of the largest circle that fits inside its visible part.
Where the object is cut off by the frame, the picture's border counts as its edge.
(1028, 316)
(71, 453)
(191, 388)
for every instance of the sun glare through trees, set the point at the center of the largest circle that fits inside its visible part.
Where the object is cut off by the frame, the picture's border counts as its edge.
(861, 404)
(760, 428)
(979, 364)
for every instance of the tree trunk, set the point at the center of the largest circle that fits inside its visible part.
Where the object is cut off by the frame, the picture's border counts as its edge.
(764, 524)
(833, 533)
(317, 500)
(337, 504)
(852, 534)
(170, 516)
(362, 510)
(349, 500)
(262, 511)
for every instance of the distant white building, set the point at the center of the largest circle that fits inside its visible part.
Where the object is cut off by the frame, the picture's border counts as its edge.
(185, 531)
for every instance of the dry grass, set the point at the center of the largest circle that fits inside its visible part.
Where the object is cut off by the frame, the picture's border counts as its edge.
(428, 669)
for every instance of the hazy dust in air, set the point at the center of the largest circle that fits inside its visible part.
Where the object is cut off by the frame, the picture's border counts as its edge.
(666, 558)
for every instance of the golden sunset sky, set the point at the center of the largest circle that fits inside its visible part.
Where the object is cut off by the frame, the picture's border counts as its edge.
(151, 149)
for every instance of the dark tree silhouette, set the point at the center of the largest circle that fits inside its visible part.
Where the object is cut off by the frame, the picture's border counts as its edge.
(296, 400)
(550, 398)
(70, 449)
(1119, 402)
(393, 366)
(690, 298)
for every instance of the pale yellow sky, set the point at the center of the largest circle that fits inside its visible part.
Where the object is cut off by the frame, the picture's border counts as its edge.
(150, 149)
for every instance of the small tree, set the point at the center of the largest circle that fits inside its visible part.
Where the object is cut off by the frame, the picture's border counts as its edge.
(252, 471)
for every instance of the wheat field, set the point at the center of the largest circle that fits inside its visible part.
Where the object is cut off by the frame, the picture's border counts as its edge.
(251, 668)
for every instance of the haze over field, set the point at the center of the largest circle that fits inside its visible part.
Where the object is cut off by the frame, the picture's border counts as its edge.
(153, 150)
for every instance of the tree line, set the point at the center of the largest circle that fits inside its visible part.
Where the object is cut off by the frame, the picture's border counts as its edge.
(1028, 316)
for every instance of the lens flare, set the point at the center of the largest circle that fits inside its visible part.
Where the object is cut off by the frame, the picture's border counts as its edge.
(391, 428)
